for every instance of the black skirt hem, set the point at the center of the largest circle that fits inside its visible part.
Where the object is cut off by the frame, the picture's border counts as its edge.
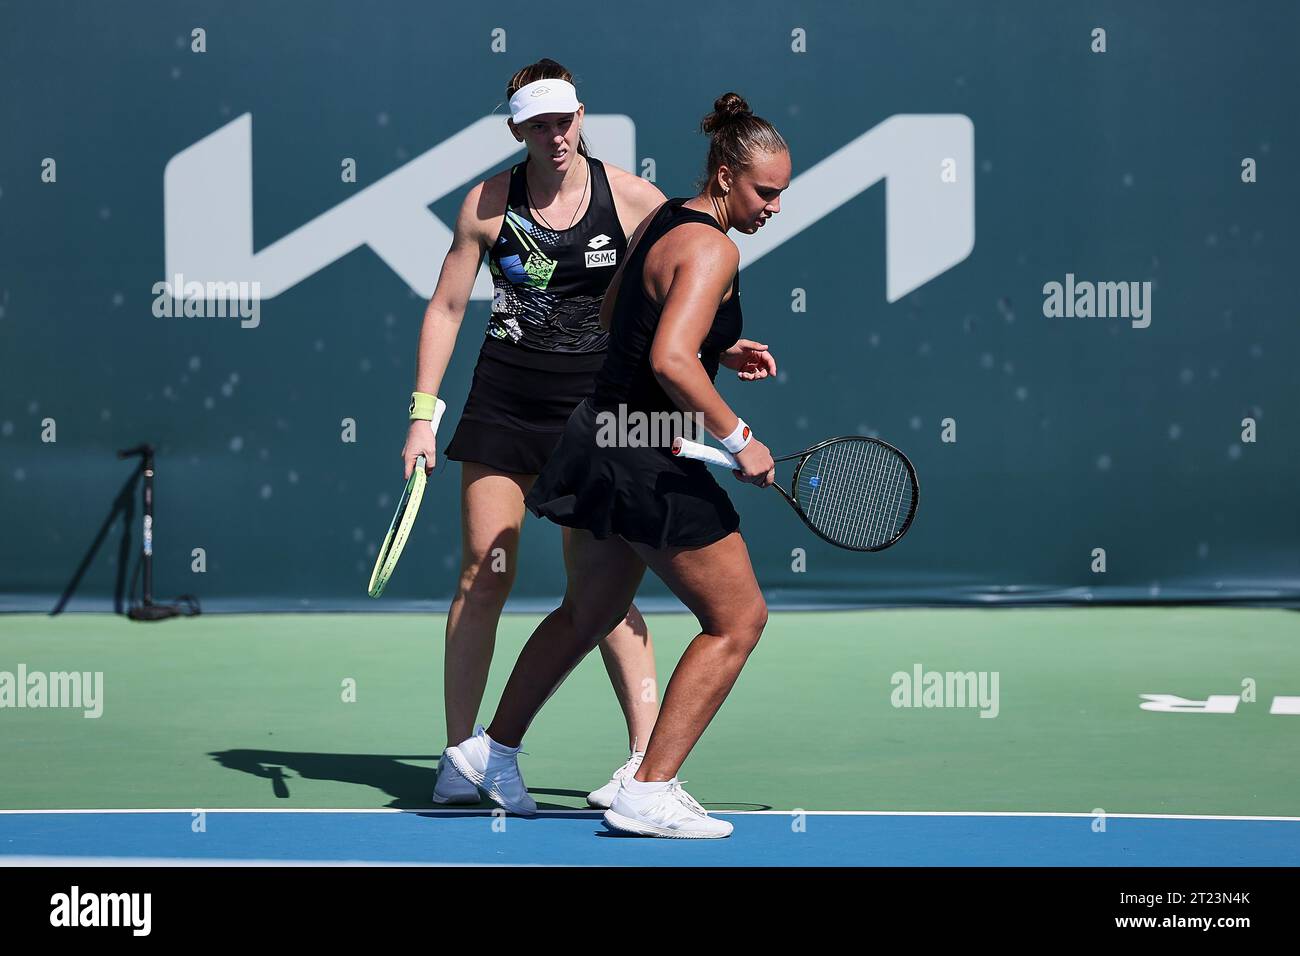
(510, 450)
(669, 541)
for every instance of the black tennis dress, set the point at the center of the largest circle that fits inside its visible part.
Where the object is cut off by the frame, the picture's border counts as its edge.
(640, 492)
(544, 343)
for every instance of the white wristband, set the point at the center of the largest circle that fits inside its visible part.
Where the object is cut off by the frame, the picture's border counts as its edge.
(739, 438)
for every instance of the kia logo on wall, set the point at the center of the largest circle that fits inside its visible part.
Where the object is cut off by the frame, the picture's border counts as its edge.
(926, 161)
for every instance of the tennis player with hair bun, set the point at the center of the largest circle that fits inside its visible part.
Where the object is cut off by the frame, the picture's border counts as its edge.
(554, 228)
(674, 314)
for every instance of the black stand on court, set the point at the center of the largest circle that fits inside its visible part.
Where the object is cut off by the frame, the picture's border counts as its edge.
(147, 610)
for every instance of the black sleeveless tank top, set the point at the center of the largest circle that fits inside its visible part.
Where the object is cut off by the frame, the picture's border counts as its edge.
(626, 376)
(548, 284)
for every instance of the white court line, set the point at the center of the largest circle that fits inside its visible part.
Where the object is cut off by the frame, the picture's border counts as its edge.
(784, 813)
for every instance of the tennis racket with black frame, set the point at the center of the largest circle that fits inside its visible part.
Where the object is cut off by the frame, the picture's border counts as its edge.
(854, 492)
(404, 518)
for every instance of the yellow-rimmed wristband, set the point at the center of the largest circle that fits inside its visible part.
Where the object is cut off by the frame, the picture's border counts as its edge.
(422, 405)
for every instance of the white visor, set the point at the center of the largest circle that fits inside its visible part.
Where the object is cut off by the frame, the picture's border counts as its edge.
(543, 96)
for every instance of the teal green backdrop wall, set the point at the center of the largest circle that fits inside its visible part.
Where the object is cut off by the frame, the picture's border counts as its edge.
(1071, 434)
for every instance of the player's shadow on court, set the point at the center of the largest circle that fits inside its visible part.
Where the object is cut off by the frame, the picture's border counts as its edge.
(409, 787)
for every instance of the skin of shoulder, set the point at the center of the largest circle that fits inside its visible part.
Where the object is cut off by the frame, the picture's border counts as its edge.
(483, 210)
(634, 197)
(477, 225)
(702, 253)
(691, 277)
(692, 251)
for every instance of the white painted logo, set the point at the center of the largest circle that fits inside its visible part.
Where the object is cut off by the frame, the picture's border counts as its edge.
(1214, 704)
(599, 242)
(208, 203)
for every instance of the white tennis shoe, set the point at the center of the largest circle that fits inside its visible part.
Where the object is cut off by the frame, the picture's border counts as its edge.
(451, 786)
(668, 812)
(493, 772)
(603, 798)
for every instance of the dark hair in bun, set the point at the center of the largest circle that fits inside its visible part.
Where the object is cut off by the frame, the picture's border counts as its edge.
(727, 108)
(736, 136)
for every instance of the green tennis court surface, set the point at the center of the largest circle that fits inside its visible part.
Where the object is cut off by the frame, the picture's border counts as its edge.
(246, 711)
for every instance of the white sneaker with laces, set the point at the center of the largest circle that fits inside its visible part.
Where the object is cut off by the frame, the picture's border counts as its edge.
(496, 774)
(670, 812)
(451, 786)
(603, 798)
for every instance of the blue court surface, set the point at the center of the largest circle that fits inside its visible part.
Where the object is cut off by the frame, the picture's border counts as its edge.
(578, 838)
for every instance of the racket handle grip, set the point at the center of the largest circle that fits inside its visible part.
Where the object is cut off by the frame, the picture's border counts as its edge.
(439, 406)
(685, 448)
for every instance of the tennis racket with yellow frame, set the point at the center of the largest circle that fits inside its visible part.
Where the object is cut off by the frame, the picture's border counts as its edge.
(404, 518)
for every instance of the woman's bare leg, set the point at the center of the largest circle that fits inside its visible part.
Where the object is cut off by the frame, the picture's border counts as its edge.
(717, 584)
(629, 657)
(492, 512)
(603, 578)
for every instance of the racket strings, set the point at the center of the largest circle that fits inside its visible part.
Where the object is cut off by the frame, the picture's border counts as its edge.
(856, 492)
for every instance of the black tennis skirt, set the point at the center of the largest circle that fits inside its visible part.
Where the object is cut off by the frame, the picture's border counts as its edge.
(518, 404)
(642, 494)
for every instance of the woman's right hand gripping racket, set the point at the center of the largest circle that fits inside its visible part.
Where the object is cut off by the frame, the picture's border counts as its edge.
(854, 492)
(404, 518)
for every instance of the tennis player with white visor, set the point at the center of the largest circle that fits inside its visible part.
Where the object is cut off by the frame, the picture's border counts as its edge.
(554, 228)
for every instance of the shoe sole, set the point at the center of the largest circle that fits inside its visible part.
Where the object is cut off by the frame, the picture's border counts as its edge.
(458, 800)
(622, 824)
(473, 776)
